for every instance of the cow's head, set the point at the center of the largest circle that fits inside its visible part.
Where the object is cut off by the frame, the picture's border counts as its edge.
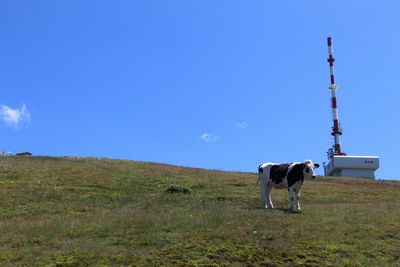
(308, 169)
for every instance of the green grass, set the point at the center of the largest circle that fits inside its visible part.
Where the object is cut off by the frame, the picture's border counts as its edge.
(100, 212)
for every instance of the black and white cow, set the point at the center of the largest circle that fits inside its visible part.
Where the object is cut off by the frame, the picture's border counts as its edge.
(284, 175)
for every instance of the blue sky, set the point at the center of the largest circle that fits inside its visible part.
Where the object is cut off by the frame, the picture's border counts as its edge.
(212, 84)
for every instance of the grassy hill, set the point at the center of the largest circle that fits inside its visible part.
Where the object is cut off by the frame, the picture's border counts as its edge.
(100, 212)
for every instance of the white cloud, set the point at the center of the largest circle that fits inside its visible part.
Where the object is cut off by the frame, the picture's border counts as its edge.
(242, 125)
(14, 117)
(209, 137)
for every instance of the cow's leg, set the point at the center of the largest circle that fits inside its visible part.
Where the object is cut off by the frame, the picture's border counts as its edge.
(291, 195)
(298, 199)
(263, 190)
(297, 189)
(269, 189)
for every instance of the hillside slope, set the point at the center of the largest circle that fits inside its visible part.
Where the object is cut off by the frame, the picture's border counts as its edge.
(80, 212)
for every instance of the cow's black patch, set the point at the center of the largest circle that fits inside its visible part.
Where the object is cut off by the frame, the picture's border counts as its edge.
(260, 169)
(278, 173)
(296, 174)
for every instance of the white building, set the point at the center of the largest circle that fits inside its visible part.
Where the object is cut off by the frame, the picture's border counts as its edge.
(353, 166)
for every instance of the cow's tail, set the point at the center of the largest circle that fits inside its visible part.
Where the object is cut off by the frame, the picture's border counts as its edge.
(260, 171)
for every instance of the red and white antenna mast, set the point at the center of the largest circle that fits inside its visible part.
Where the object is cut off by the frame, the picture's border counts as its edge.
(336, 131)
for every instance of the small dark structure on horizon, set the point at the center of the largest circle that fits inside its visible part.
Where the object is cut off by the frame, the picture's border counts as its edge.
(24, 154)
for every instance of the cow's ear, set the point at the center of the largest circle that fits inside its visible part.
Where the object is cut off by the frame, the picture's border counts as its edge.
(316, 165)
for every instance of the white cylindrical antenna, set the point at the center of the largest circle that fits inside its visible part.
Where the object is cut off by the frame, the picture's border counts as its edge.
(336, 131)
